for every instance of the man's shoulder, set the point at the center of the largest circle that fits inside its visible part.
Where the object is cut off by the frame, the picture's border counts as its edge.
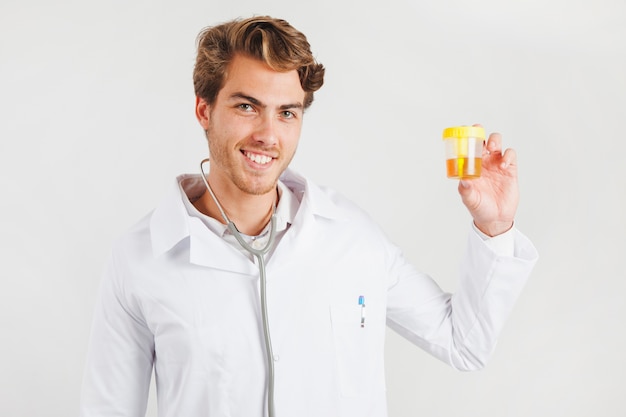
(136, 236)
(139, 237)
(329, 203)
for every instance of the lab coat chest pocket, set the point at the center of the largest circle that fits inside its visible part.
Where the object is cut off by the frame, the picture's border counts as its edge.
(358, 354)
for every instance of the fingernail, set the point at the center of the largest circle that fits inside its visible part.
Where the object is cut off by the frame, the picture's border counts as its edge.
(464, 184)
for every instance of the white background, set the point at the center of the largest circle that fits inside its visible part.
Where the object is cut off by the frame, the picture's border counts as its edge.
(96, 118)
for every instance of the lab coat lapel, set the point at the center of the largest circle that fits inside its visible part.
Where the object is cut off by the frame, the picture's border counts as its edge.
(296, 243)
(209, 250)
(170, 224)
(300, 239)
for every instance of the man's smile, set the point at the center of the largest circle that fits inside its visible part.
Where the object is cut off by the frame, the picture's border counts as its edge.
(258, 158)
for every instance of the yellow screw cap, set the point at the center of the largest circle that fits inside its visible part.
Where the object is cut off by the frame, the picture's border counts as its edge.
(464, 132)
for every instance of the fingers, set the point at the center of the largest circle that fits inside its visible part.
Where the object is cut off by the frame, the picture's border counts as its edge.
(494, 143)
(494, 147)
(509, 158)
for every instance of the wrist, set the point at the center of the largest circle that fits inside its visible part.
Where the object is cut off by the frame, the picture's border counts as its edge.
(494, 228)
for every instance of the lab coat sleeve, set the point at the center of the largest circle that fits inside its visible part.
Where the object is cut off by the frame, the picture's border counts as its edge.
(120, 355)
(462, 328)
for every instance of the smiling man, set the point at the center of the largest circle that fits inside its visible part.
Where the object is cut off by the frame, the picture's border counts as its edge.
(253, 127)
(251, 291)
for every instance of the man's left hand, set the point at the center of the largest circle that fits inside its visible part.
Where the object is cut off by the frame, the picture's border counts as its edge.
(492, 199)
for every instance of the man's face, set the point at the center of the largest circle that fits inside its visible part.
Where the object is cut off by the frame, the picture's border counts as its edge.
(253, 126)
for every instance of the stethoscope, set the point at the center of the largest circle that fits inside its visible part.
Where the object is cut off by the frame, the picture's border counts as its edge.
(259, 255)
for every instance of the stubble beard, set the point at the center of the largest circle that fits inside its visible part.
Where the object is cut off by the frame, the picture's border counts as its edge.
(244, 181)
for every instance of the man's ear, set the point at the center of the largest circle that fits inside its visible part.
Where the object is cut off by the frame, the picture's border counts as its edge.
(203, 111)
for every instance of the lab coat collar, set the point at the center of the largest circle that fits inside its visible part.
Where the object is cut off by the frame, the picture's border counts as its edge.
(170, 223)
(317, 200)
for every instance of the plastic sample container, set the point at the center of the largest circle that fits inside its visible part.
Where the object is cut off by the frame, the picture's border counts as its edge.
(464, 150)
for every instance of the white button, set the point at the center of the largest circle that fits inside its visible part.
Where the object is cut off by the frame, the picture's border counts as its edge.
(256, 244)
(276, 358)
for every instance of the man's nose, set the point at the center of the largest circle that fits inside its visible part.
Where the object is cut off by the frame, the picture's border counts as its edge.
(265, 131)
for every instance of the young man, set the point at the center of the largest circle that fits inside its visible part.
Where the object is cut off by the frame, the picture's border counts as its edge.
(268, 317)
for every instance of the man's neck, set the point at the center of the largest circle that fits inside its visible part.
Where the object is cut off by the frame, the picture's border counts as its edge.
(250, 213)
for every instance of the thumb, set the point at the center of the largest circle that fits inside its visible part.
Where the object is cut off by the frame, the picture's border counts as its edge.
(468, 195)
(465, 187)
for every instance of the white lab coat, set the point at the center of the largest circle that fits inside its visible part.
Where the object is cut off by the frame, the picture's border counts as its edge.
(176, 297)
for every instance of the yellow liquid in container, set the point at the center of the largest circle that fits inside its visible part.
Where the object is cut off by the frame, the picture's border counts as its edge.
(464, 149)
(463, 167)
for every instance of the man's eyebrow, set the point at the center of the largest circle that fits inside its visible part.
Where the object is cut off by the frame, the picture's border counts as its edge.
(252, 100)
(291, 106)
(259, 103)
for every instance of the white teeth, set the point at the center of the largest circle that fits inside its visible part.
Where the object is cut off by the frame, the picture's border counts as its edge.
(259, 159)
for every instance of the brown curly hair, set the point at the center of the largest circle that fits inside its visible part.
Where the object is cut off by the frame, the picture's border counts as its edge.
(273, 41)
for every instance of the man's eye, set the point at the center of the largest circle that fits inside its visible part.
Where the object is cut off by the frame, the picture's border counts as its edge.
(288, 115)
(245, 107)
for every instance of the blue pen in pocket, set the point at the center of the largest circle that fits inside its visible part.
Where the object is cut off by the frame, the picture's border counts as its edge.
(362, 304)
